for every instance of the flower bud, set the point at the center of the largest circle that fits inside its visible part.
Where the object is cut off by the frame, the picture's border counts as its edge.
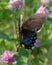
(37, 43)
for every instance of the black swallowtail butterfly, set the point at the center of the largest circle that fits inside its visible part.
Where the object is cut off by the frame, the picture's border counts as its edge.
(29, 28)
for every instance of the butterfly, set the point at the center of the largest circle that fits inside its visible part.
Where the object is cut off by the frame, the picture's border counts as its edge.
(28, 32)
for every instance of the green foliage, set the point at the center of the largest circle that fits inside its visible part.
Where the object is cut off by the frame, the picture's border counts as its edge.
(9, 36)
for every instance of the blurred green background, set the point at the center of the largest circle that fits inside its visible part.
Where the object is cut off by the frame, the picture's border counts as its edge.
(9, 34)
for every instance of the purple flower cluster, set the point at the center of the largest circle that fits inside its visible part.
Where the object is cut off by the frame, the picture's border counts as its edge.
(43, 10)
(15, 4)
(7, 57)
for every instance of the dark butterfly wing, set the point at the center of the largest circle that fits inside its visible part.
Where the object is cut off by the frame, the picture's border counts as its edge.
(34, 23)
(28, 38)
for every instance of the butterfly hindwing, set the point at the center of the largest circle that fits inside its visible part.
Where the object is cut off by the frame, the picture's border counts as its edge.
(28, 39)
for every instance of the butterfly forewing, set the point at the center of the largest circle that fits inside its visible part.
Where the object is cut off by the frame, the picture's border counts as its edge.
(34, 23)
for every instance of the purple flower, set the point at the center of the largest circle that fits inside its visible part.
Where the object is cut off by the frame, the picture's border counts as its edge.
(43, 10)
(43, 2)
(37, 43)
(20, 4)
(47, 13)
(15, 4)
(7, 57)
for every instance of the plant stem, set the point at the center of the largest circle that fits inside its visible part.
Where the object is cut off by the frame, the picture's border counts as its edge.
(29, 59)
